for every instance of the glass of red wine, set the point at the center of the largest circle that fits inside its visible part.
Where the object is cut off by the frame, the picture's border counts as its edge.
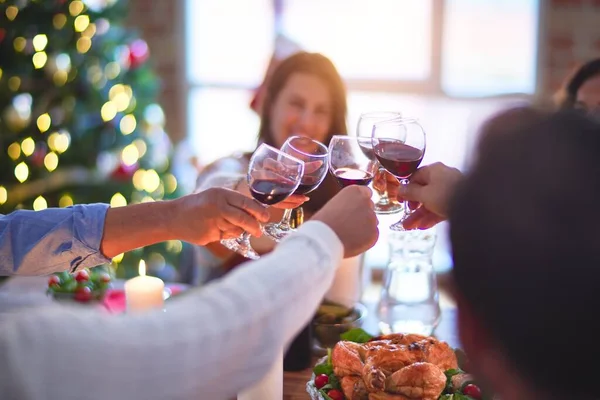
(399, 146)
(366, 122)
(314, 155)
(348, 162)
(272, 177)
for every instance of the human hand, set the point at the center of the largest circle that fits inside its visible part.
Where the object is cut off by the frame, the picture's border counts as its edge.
(350, 215)
(429, 193)
(384, 181)
(215, 214)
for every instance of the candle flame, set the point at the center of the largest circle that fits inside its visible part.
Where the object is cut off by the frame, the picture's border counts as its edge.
(142, 268)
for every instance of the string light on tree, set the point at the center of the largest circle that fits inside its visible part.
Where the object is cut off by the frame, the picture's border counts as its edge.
(21, 172)
(43, 122)
(51, 161)
(3, 195)
(65, 201)
(40, 203)
(118, 200)
(28, 146)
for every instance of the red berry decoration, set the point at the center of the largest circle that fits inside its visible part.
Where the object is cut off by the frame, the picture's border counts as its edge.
(82, 276)
(472, 391)
(104, 277)
(335, 394)
(83, 294)
(321, 380)
(53, 281)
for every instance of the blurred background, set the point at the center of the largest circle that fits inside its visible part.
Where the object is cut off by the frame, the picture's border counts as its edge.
(450, 63)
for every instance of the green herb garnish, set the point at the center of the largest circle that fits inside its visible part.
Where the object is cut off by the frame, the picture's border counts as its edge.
(356, 335)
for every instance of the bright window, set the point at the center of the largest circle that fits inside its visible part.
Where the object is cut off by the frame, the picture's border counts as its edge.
(451, 48)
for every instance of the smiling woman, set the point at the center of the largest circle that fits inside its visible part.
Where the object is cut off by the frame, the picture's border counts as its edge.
(305, 96)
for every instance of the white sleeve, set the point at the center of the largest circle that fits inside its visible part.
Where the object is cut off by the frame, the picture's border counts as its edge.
(209, 344)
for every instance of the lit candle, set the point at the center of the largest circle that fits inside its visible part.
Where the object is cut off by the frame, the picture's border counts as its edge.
(144, 292)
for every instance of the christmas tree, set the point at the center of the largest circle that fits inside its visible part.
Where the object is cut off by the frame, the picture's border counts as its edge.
(78, 118)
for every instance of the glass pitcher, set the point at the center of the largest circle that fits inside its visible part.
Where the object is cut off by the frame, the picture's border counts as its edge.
(409, 298)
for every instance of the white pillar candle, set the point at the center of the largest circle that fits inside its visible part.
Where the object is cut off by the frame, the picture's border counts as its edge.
(144, 292)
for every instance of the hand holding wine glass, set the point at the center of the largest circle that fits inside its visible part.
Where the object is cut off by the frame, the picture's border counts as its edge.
(272, 177)
(399, 145)
(314, 155)
(383, 183)
(348, 162)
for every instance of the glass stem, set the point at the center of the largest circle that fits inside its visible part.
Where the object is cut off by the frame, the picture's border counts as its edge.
(245, 238)
(285, 220)
(405, 202)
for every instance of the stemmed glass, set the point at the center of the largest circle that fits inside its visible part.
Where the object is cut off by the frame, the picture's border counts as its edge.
(399, 145)
(366, 122)
(272, 177)
(314, 155)
(348, 162)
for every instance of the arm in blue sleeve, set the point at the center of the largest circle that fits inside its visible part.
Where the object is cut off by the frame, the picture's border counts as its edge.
(52, 240)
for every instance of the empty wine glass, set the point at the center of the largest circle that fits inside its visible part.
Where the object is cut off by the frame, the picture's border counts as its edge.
(366, 122)
(314, 155)
(272, 177)
(399, 145)
(348, 162)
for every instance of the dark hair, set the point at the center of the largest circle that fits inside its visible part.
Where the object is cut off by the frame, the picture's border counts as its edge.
(566, 97)
(526, 246)
(320, 66)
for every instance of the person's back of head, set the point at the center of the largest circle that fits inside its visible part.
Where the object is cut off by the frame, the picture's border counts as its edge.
(525, 231)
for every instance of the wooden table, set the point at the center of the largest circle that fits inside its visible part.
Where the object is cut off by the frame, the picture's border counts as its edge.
(294, 383)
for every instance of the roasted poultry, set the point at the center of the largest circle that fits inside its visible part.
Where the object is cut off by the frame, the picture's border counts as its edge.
(397, 366)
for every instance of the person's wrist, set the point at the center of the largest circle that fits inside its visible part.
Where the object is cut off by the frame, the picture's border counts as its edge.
(168, 215)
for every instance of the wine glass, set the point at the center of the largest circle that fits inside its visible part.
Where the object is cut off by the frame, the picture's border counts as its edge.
(366, 122)
(314, 155)
(348, 162)
(272, 177)
(399, 145)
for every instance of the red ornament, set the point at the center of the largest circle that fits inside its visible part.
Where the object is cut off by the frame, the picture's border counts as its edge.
(2, 34)
(138, 53)
(124, 172)
(37, 158)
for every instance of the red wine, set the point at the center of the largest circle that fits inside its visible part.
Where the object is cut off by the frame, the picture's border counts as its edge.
(308, 184)
(398, 158)
(352, 176)
(271, 191)
(367, 149)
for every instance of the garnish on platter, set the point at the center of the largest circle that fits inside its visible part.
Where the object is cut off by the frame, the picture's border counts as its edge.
(83, 286)
(392, 367)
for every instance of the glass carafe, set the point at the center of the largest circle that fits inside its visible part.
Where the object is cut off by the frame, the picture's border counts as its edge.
(409, 298)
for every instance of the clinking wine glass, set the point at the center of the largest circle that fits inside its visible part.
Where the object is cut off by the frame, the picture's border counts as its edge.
(272, 177)
(348, 162)
(314, 155)
(399, 146)
(366, 122)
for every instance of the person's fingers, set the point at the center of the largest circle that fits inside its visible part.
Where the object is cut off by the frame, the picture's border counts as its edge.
(312, 166)
(242, 220)
(250, 206)
(415, 219)
(421, 176)
(228, 230)
(410, 192)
